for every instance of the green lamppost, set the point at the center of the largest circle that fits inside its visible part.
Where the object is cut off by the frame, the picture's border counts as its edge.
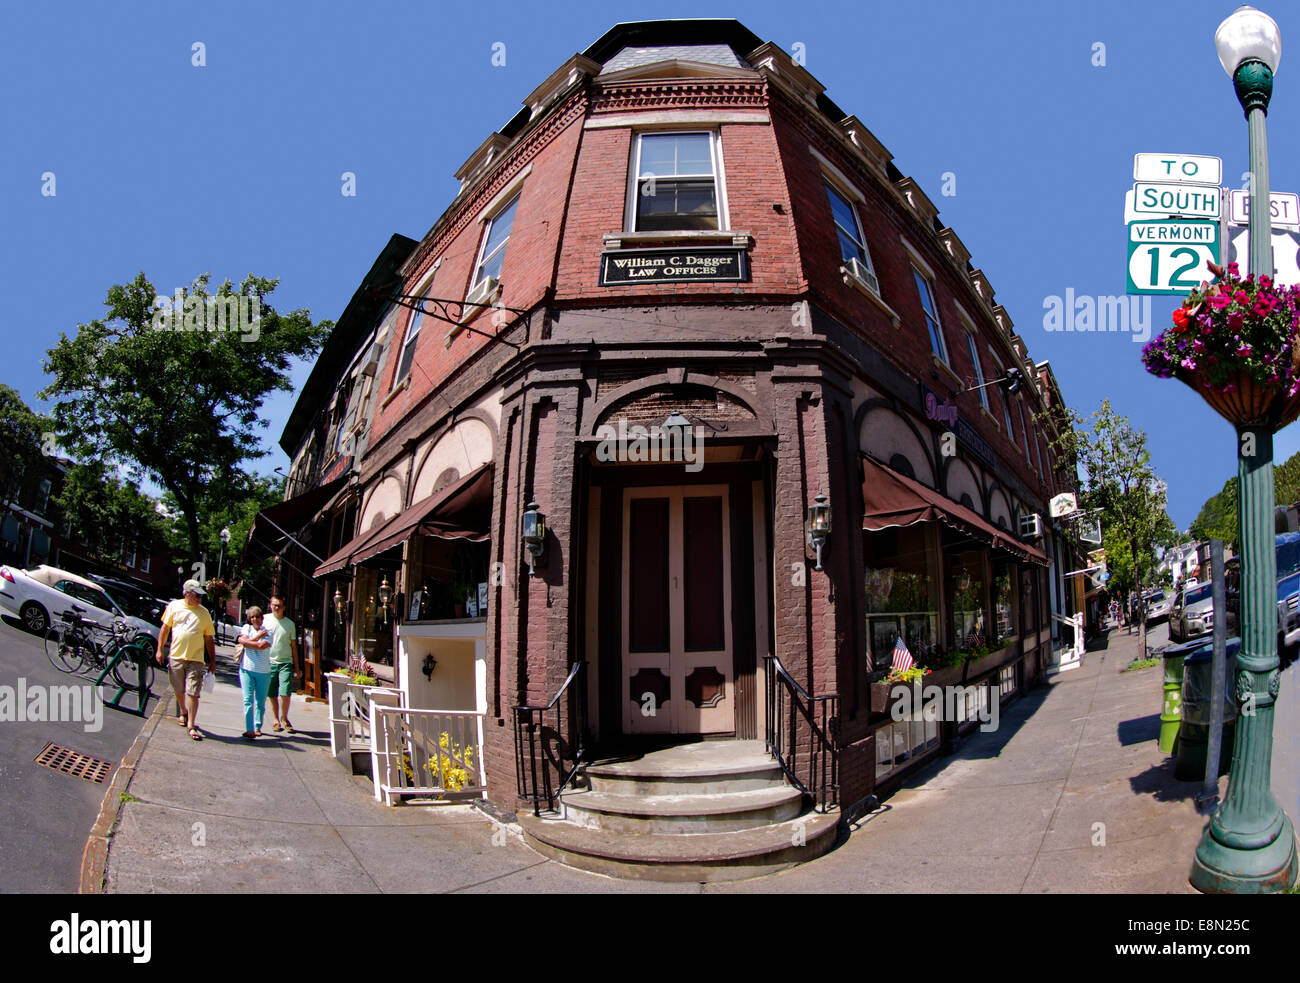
(1249, 845)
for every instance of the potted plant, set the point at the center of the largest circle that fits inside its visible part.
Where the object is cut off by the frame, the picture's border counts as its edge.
(1234, 342)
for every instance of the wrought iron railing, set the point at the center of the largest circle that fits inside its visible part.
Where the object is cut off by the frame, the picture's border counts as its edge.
(550, 742)
(803, 734)
(427, 753)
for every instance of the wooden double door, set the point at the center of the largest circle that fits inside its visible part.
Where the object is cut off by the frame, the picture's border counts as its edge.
(677, 649)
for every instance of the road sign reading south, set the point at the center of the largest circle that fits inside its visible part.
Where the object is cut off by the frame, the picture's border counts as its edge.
(1170, 257)
(1186, 200)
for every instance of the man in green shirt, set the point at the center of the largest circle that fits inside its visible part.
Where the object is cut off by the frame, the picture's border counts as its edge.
(283, 635)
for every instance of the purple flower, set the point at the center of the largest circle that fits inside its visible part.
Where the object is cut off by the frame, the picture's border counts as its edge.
(1243, 351)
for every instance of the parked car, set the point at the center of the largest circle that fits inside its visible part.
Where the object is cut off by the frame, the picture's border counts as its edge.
(37, 597)
(1192, 614)
(1158, 605)
(132, 599)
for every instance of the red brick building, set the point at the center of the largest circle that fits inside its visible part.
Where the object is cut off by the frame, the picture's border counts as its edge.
(681, 232)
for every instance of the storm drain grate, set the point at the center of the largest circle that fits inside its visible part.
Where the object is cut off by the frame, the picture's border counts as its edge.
(62, 759)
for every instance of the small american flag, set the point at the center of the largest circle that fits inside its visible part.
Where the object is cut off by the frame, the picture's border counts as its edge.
(902, 658)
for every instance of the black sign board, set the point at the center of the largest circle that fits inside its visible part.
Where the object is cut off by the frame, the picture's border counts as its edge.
(685, 264)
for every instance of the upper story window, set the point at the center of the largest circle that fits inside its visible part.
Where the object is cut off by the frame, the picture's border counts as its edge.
(979, 371)
(1006, 402)
(853, 244)
(1020, 408)
(408, 345)
(931, 314)
(493, 251)
(676, 182)
(44, 493)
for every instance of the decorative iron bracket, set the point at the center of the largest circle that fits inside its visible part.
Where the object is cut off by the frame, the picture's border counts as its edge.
(441, 309)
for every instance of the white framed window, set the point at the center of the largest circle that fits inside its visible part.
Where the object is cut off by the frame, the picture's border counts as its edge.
(413, 325)
(853, 244)
(1006, 401)
(1007, 681)
(676, 183)
(129, 559)
(1020, 408)
(979, 371)
(928, 305)
(144, 566)
(492, 252)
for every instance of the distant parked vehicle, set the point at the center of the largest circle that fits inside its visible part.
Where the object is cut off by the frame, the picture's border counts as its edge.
(1193, 613)
(37, 597)
(1158, 605)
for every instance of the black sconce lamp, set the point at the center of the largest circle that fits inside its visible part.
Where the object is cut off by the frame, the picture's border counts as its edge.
(430, 663)
(818, 525)
(534, 533)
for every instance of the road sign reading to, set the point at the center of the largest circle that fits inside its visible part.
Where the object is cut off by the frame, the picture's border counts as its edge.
(1179, 168)
(1170, 257)
(1284, 206)
(1186, 200)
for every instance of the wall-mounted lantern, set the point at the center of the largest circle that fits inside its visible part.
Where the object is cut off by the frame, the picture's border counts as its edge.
(533, 534)
(818, 525)
(385, 595)
(339, 604)
(430, 663)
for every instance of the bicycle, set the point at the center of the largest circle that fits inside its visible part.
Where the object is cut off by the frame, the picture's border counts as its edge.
(73, 648)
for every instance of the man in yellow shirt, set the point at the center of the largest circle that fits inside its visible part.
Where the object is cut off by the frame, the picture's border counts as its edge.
(193, 642)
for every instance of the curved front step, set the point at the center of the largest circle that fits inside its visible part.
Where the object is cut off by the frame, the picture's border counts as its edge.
(696, 857)
(707, 768)
(683, 812)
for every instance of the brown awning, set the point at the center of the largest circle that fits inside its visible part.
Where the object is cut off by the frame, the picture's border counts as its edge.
(893, 499)
(461, 510)
(271, 525)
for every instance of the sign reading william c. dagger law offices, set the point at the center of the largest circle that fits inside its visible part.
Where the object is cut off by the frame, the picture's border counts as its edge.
(694, 265)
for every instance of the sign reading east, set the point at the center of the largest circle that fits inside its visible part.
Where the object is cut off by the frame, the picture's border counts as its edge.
(1170, 257)
(694, 265)
(1284, 208)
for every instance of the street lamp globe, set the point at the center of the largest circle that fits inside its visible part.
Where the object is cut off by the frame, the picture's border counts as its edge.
(1248, 34)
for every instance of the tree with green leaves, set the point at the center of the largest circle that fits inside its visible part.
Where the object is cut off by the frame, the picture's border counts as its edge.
(172, 389)
(106, 512)
(1119, 483)
(1218, 516)
(22, 443)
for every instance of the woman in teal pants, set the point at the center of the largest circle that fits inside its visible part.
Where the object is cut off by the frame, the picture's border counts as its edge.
(254, 672)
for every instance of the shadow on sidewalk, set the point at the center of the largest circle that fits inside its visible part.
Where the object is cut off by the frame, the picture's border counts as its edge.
(1139, 730)
(1159, 782)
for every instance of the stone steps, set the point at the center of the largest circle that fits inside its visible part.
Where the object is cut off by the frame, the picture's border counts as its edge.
(718, 810)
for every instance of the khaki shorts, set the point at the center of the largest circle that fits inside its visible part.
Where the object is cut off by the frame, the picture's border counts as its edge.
(187, 675)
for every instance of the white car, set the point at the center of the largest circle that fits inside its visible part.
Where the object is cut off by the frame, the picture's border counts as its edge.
(39, 597)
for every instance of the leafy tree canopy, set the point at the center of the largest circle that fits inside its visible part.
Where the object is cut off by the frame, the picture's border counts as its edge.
(22, 442)
(169, 394)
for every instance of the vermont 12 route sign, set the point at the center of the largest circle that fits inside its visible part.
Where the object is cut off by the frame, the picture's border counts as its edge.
(1170, 256)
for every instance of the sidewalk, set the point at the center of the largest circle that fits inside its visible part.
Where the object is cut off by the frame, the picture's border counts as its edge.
(1013, 811)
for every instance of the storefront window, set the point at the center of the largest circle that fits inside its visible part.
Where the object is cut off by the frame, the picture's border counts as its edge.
(448, 579)
(1028, 598)
(1004, 586)
(372, 627)
(902, 595)
(968, 590)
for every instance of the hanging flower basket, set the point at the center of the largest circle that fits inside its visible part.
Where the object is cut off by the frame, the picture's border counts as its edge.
(1234, 341)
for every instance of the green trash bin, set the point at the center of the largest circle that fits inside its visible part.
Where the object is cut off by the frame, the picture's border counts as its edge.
(1194, 731)
(1170, 714)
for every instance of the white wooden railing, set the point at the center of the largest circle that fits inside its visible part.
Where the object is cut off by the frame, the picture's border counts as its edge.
(1069, 656)
(427, 753)
(350, 712)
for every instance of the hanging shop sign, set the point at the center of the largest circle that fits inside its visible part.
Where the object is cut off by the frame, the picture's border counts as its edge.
(690, 265)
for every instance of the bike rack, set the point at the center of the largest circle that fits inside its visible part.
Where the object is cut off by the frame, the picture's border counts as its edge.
(140, 689)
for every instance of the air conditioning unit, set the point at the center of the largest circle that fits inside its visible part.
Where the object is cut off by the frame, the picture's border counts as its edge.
(1031, 526)
(371, 365)
(482, 293)
(857, 269)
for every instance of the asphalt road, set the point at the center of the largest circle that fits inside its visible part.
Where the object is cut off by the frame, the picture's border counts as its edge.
(45, 816)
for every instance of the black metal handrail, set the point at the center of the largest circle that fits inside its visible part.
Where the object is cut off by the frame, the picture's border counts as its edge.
(536, 766)
(803, 734)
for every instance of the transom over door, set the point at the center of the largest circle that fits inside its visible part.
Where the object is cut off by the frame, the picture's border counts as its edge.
(678, 675)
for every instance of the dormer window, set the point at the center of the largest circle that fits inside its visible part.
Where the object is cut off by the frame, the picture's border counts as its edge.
(676, 184)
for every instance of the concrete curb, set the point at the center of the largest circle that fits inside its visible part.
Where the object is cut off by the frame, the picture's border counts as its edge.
(94, 858)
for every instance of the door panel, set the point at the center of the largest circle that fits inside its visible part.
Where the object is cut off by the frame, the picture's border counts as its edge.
(678, 674)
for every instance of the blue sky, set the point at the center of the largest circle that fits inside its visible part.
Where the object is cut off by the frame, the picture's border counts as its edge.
(235, 167)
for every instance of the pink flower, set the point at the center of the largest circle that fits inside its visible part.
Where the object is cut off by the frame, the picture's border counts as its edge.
(1220, 301)
(1241, 297)
(1243, 351)
(1235, 320)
